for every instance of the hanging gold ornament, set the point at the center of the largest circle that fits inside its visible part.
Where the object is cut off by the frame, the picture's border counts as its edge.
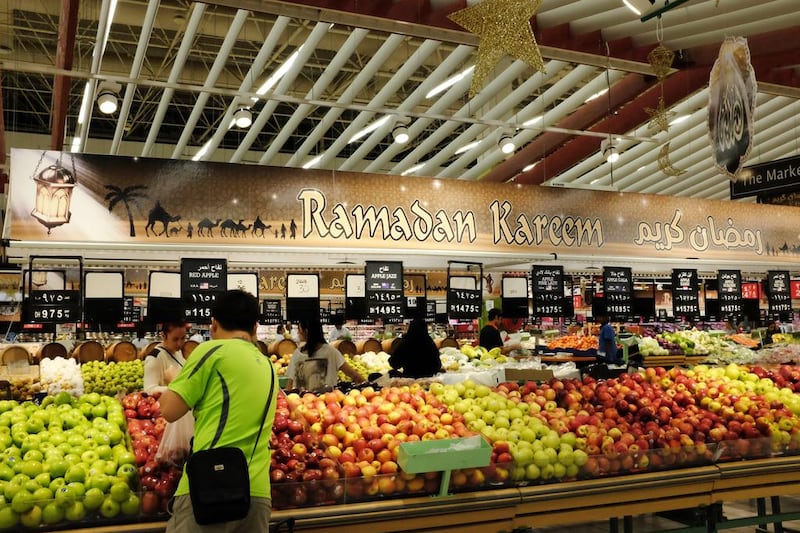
(504, 27)
(665, 165)
(660, 58)
(659, 116)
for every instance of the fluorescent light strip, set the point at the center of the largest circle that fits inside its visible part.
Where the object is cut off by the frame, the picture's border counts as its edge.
(278, 74)
(449, 82)
(596, 95)
(312, 162)
(633, 8)
(533, 121)
(411, 170)
(467, 147)
(87, 98)
(526, 168)
(200, 153)
(679, 119)
(369, 128)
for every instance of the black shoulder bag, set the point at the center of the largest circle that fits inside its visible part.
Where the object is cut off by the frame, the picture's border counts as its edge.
(219, 479)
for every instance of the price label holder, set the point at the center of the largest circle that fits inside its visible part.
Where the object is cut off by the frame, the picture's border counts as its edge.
(618, 291)
(416, 289)
(779, 297)
(548, 291)
(302, 296)
(730, 292)
(103, 303)
(355, 297)
(271, 312)
(384, 290)
(202, 281)
(48, 305)
(685, 293)
(514, 296)
(464, 295)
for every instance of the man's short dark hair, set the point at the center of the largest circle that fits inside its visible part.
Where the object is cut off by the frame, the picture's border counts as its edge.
(494, 313)
(236, 310)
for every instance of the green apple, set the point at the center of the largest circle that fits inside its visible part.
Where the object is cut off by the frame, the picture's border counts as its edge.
(8, 518)
(76, 473)
(99, 411)
(31, 468)
(6, 472)
(75, 511)
(126, 458)
(78, 488)
(110, 467)
(130, 507)
(93, 498)
(104, 451)
(89, 456)
(32, 518)
(127, 473)
(120, 491)
(57, 467)
(52, 513)
(22, 501)
(99, 481)
(92, 398)
(64, 496)
(42, 495)
(110, 507)
(56, 484)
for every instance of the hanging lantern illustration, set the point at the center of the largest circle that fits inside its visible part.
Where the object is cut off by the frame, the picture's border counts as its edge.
(54, 186)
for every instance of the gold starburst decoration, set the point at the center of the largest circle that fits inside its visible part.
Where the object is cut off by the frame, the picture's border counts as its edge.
(659, 116)
(665, 165)
(504, 27)
(660, 58)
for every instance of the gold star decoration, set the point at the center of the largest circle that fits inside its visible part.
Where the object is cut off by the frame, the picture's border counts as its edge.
(660, 58)
(659, 117)
(503, 27)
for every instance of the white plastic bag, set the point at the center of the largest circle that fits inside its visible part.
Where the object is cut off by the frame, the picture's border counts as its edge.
(176, 442)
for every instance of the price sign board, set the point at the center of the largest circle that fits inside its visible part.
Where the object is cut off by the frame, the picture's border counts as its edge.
(730, 292)
(271, 312)
(302, 296)
(548, 291)
(355, 301)
(202, 280)
(463, 298)
(55, 306)
(130, 311)
(685, 293)
(618, 291)
(780, 298)
(384, 289)
(514, 296)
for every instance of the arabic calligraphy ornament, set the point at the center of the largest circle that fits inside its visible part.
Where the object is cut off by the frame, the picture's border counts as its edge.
(731, 106)
(503, 27)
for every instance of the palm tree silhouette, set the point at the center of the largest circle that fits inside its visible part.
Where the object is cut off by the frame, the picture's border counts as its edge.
(128, 195)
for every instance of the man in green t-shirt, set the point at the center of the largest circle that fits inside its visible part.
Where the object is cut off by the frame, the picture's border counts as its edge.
(225, 383)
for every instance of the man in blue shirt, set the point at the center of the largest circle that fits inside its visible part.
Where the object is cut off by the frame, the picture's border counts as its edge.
(607, 343)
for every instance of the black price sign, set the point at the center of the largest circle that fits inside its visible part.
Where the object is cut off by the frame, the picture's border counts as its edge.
(271, 312)
(130, 312)
(618, 291)
(780, 299)
(730, 292)
(685, 295)
(384, 289)
(55, 307)
(548, 291)
(463, 303)
(202, 280)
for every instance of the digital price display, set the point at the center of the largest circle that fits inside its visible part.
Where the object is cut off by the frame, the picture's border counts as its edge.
(202, 280)
(548, 291)
(730, 292)
(618, 292)
(55, 306)
(780, 296)
(685, 293)
(384, 289)
(463, 298)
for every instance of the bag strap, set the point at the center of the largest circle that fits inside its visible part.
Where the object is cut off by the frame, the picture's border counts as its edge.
(266, 409)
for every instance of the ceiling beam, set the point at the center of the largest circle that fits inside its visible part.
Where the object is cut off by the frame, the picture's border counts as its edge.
(67, 27)
(628, 116)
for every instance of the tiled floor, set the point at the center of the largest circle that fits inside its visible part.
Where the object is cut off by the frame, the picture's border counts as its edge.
(651, 523)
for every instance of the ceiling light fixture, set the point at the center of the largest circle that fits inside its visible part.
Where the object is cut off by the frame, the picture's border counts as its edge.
(526, 168)
(369, 128)
(534, 120)
(507, 145)
(243, 117)
(312, 162)
(608, 147)
(449, 82)
(467, 147)
(638, 6)
(107, 97)
(278, 74)
(596, 95)
(400, 131)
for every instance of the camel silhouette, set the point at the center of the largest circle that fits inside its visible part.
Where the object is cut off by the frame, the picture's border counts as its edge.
(241, 229)
(259, 228)
(206, 228)
(174, 231)
(229, 226)
(159, 214)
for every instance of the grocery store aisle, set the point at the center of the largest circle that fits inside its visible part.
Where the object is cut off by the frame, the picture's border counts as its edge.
(653, 523)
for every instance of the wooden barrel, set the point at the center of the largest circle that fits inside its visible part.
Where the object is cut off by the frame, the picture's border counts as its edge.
(147, 349)
(447, 342)
(282, 347)
(344, 346)
(122, 351)
(369, 345)
(263, 347)
(89, 351)
(390, 345)
(51, 350)
(188, 348)
(13, 354)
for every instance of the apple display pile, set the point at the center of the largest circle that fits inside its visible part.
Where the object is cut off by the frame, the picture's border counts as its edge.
(357, 365)
(373, 362)
(111, 378)
(65, 461)
(60, 374)
(146, 426)
(281, 362)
